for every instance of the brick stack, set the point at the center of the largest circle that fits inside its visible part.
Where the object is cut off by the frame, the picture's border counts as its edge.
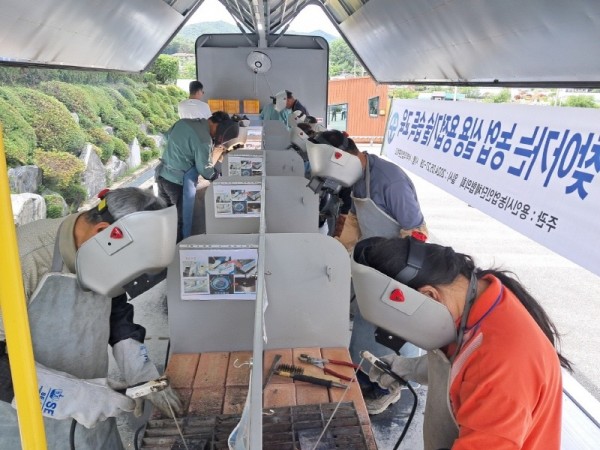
(217, 383)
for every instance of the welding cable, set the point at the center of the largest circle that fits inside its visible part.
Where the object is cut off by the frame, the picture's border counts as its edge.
(410, 417)
(136, 436)
(72, 434)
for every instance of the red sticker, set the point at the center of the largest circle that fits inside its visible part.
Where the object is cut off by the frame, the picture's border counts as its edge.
(419, 236)
(102, 193)
(397, 295)
(116, 233)
(337, 155)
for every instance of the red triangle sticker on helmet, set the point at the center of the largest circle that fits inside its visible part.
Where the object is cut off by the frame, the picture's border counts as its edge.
(116, 233)
(397, 295)
(337, 155)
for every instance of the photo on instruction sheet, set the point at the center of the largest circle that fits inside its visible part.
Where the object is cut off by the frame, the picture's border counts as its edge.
(237, 200)
(218, 273)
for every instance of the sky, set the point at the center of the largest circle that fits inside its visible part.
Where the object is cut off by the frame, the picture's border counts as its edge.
(310, 18)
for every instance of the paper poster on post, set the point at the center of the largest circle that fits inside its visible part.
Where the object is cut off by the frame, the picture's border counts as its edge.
(237, 200)
(218, 273)
(530, 167)
(245, 166)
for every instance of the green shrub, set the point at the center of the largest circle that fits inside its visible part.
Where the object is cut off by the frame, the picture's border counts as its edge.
(121, 148)
(147, 142)
(127, 93)
(60, 169)
(155, 152)
(74, 194)
(54, 206)
(133, 115)
(104, 141)
(76, 98)
(19, 136)
(146, 155)
(54, 127)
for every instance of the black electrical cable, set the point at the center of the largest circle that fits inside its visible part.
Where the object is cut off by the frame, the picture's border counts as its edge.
(72, 434)
(136, 436)
(410, 417)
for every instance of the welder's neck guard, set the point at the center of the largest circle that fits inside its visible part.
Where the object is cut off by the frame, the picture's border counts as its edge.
(392, 305)
(141, 242)
(327, 161)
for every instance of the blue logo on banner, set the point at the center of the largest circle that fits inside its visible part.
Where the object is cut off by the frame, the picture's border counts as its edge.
(392, 127)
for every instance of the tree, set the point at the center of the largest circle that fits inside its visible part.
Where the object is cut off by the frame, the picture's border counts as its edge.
(403, 92)
(580, 101)
(166, 69)
(342, 60)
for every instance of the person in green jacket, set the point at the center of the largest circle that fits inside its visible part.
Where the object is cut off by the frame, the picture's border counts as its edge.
(193, 148)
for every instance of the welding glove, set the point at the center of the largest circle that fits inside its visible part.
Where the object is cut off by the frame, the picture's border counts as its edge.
(135, 365)
(409, 369)
(87, 401)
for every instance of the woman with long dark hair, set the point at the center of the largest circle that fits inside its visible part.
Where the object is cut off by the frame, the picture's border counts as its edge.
(493, 367)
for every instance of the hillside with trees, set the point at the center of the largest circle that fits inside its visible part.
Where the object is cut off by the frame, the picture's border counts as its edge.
(50, 117)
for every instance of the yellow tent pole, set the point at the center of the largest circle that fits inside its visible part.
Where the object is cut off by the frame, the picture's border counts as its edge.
(16, 323)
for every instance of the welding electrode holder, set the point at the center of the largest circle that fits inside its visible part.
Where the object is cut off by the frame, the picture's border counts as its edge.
(382, 365)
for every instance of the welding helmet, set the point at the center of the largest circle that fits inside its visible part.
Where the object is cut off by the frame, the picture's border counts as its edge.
(326, 161)
(390, 304)
(138, 243)
(280, 100)
(317, 127)
(299, 138)
(295, 118)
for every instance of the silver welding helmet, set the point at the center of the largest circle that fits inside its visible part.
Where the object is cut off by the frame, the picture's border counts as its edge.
(299, 138)
(138, 243)
(392, 305)
(280, 100)
(295, 118)
(317, 127)
(237, 141)
(326, 161)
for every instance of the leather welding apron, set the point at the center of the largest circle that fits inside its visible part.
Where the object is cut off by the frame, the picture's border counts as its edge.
(440, 429)
(69, 330)
(372, 220)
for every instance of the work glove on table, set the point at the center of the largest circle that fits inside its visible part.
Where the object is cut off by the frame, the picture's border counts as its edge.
(132, 358)
(64, 396)
(409, 369)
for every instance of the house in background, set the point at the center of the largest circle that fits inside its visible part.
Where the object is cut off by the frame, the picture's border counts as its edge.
(358, 106)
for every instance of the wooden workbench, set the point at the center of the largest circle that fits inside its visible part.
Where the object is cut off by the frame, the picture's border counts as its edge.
(217, 383)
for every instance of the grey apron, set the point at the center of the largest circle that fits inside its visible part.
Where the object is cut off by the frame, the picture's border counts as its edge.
(69, 330)
(373, 221)
(440, 429)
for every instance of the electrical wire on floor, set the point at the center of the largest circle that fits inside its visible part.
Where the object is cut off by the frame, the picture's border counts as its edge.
(410, 416)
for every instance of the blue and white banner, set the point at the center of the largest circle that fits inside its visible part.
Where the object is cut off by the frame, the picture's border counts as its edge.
(533, 168)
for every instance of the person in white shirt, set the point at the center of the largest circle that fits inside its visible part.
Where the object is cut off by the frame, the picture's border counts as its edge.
(193, 107)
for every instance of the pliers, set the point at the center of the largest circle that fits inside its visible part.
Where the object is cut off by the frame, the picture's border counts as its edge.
(319, 362)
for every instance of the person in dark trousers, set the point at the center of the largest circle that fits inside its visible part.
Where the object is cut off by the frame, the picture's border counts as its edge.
(193, 148)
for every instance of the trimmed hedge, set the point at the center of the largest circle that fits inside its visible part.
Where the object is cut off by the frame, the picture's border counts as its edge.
(19, 136)
(55, 128)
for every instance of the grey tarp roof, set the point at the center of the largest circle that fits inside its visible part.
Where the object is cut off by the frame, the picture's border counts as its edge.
(551, 42)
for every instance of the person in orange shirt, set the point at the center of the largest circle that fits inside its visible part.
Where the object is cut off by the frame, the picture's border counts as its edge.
(492, 368)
